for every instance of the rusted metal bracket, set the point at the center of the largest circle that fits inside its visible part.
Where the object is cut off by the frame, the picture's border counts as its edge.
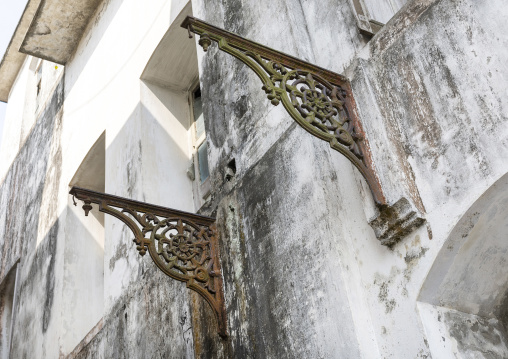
(319, 100)
(183, 245)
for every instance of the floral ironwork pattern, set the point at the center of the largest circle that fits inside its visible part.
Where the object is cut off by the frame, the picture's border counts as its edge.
(323, 106)
(183, 245)
(319, 100)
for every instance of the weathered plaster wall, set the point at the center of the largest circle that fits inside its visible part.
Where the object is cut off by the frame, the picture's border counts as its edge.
(294, 28)
(285, 271)
(6, 311)
(430, 85)
(455, 334)
(429, 88)
(22, 111)
(284, 236)
(146, 314)
(29, 193)
(304, 274)
(409, 87)
(469, 273)
(36, 188)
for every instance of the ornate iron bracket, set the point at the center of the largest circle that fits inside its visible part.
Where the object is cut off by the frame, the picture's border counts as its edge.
(183, 245)
(319, 100)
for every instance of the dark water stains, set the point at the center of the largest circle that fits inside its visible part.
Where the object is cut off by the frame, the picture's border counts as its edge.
(33, 177)
(214, 106)
(116, 339)
(389, 303)
(502, 312)
(23, 187)
(155, 307)
(235, 17)
(410, 257)
(241, 105)
(476, 334)
(50, 251)
(30, 171)
(399, 25)
(260, 290)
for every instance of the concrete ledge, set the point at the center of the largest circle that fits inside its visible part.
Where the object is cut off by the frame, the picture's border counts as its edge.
(57, 28)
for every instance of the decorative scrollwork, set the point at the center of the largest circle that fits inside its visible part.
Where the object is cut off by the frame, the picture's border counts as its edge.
(183, 245)
(319, 100)
(322, 105)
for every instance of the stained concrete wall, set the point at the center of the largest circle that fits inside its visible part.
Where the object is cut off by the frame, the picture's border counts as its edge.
(145, 313)
(304, 273)
(22, 111)
(286, 281)
(455, 334)
(30, 192)
(429, 93)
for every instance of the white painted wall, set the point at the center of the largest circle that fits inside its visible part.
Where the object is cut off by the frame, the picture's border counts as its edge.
(146, 125)
(21, 112)
(83, 285)
(147, 153)
(12, 124)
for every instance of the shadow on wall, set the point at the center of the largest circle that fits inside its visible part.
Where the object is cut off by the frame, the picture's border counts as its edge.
(93, 39)
(83, 282)
(139, 157)
(35, 309)
(470, 277)
(83, 277)
(38, 306)
(147, 161)
(148, 158)
(105, 13)
(30, 226)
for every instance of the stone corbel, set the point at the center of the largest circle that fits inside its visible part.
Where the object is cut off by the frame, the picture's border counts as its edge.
(183, 245)
(320, 101)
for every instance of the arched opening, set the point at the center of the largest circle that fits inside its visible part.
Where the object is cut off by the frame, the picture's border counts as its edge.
(83, 286)
(464, 299)
(171, 103)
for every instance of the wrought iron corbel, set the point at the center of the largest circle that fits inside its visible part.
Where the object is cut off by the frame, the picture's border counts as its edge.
(183, 245)
(319, 100)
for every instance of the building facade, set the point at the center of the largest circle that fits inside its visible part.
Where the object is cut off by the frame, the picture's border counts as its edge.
(360, 215)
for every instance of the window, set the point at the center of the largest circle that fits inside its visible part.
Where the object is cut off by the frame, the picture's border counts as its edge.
(171, 103)
(199, 171)
(381, 11)
(373, 14)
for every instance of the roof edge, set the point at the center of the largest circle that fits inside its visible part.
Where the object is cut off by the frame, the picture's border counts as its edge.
(13, 59)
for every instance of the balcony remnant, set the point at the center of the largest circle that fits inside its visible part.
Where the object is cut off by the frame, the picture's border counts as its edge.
(319, 100)
(185, 246)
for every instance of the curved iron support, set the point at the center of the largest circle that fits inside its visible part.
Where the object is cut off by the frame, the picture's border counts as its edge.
(319, 100)
(183, 245)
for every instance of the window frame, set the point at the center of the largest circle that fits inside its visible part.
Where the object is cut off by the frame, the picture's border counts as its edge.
(202, 190)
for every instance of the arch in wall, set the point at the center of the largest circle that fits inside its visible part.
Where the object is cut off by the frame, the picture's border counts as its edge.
(83, 262)
(466, 289)
(91, 172)
(168, 84)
